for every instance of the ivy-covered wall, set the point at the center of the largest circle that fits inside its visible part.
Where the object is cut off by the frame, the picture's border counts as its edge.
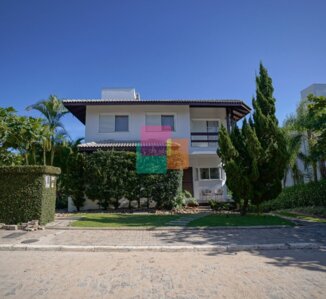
(27, 193)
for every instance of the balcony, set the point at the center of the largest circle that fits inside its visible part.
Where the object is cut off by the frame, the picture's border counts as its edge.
(204, 139)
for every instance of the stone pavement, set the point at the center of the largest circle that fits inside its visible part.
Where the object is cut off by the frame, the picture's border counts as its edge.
(289, 274)
(313, 233)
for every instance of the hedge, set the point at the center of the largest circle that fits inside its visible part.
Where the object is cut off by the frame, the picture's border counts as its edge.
(112, 175)
(24, 195)
(303, 195)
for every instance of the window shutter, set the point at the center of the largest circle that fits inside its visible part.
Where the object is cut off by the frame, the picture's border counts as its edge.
(106, 123)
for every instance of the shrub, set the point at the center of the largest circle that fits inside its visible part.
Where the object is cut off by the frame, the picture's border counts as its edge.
(222, 206)
(303, 195)
(61, 201)
(165, 188)
(73, 181)
(27, 193)
(192, 202)
(183, 198)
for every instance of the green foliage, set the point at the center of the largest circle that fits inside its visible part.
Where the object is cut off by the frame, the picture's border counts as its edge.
(302, 195)
(73, 180)
(23, 195)
(23, 135)
(53, 111)
(254, 156)
(111, 175)
(192, 202)
(309, 124)
(221, 206)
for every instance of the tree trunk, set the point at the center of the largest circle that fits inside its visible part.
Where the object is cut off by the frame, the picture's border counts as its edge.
(52, 157)
(34, 155)
(26, 158)
(244, 208)
(314, 168)
(44, 157)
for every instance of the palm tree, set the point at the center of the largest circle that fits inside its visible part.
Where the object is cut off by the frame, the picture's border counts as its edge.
(293, 144)
(299, 125)
(53, 111)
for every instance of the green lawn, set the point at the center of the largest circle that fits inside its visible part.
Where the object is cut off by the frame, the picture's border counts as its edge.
(237, 220)
(131, 220)
(301, 216)
(121, 220)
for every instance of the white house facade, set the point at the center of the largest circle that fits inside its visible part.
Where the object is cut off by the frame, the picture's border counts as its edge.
(116, 120)
(306, 170)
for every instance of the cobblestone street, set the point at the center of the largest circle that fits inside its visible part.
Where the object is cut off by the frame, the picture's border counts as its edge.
(308, 233)
(267, 274)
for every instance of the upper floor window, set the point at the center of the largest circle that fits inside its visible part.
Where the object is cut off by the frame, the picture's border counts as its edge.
(204, 133)
(109, 123)
(165, 121)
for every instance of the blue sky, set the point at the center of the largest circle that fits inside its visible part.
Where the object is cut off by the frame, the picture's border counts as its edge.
(165, 49)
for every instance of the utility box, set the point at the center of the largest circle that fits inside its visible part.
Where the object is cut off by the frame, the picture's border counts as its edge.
(27, 193)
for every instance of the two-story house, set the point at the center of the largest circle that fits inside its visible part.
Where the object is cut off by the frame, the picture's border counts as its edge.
(115, 122)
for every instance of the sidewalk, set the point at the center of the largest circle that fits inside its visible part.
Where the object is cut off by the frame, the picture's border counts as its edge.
(310, 236)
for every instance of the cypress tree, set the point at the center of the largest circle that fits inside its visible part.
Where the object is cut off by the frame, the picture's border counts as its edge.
(254, 157)
(272, 161)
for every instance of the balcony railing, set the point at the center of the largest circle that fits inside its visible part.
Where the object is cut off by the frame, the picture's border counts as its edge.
(204, 139)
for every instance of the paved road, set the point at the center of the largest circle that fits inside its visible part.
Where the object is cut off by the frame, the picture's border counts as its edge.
(309, 234)
(267, 274)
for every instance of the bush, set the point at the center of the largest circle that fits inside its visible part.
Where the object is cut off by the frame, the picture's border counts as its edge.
(222, 206)
(25, 195)
(303, 195)
(111, 175)
(73, 181)
(61, 202)
(192, 202)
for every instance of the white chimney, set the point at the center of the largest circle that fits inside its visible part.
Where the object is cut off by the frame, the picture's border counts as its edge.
(119, 94)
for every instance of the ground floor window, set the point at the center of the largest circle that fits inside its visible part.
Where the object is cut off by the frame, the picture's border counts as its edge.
(213, 173)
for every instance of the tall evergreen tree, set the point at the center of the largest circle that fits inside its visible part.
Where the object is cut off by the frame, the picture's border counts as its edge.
(255, 156)
(273, 159)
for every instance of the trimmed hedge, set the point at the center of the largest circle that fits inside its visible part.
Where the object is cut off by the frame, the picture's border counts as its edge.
(112, 175)
(24, 195)
(303, 195)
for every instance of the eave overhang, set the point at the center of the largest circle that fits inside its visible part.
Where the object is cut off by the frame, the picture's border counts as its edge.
(237, 108)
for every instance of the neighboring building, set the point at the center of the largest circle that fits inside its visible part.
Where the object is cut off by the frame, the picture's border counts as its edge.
(316, 89)
(115, 122)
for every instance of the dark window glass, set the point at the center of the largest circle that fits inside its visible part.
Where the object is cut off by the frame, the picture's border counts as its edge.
(204, 173)
(121, 123)
(215, 173)
(167, 122)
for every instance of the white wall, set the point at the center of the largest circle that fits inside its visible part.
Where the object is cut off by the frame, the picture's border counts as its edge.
(209, 113)
(136, 121)
(207, 161)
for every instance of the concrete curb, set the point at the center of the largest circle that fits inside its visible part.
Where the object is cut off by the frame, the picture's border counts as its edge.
(154, 248)
(168, 228)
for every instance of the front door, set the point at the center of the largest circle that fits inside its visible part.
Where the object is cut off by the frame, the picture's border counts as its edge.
(187, 180)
